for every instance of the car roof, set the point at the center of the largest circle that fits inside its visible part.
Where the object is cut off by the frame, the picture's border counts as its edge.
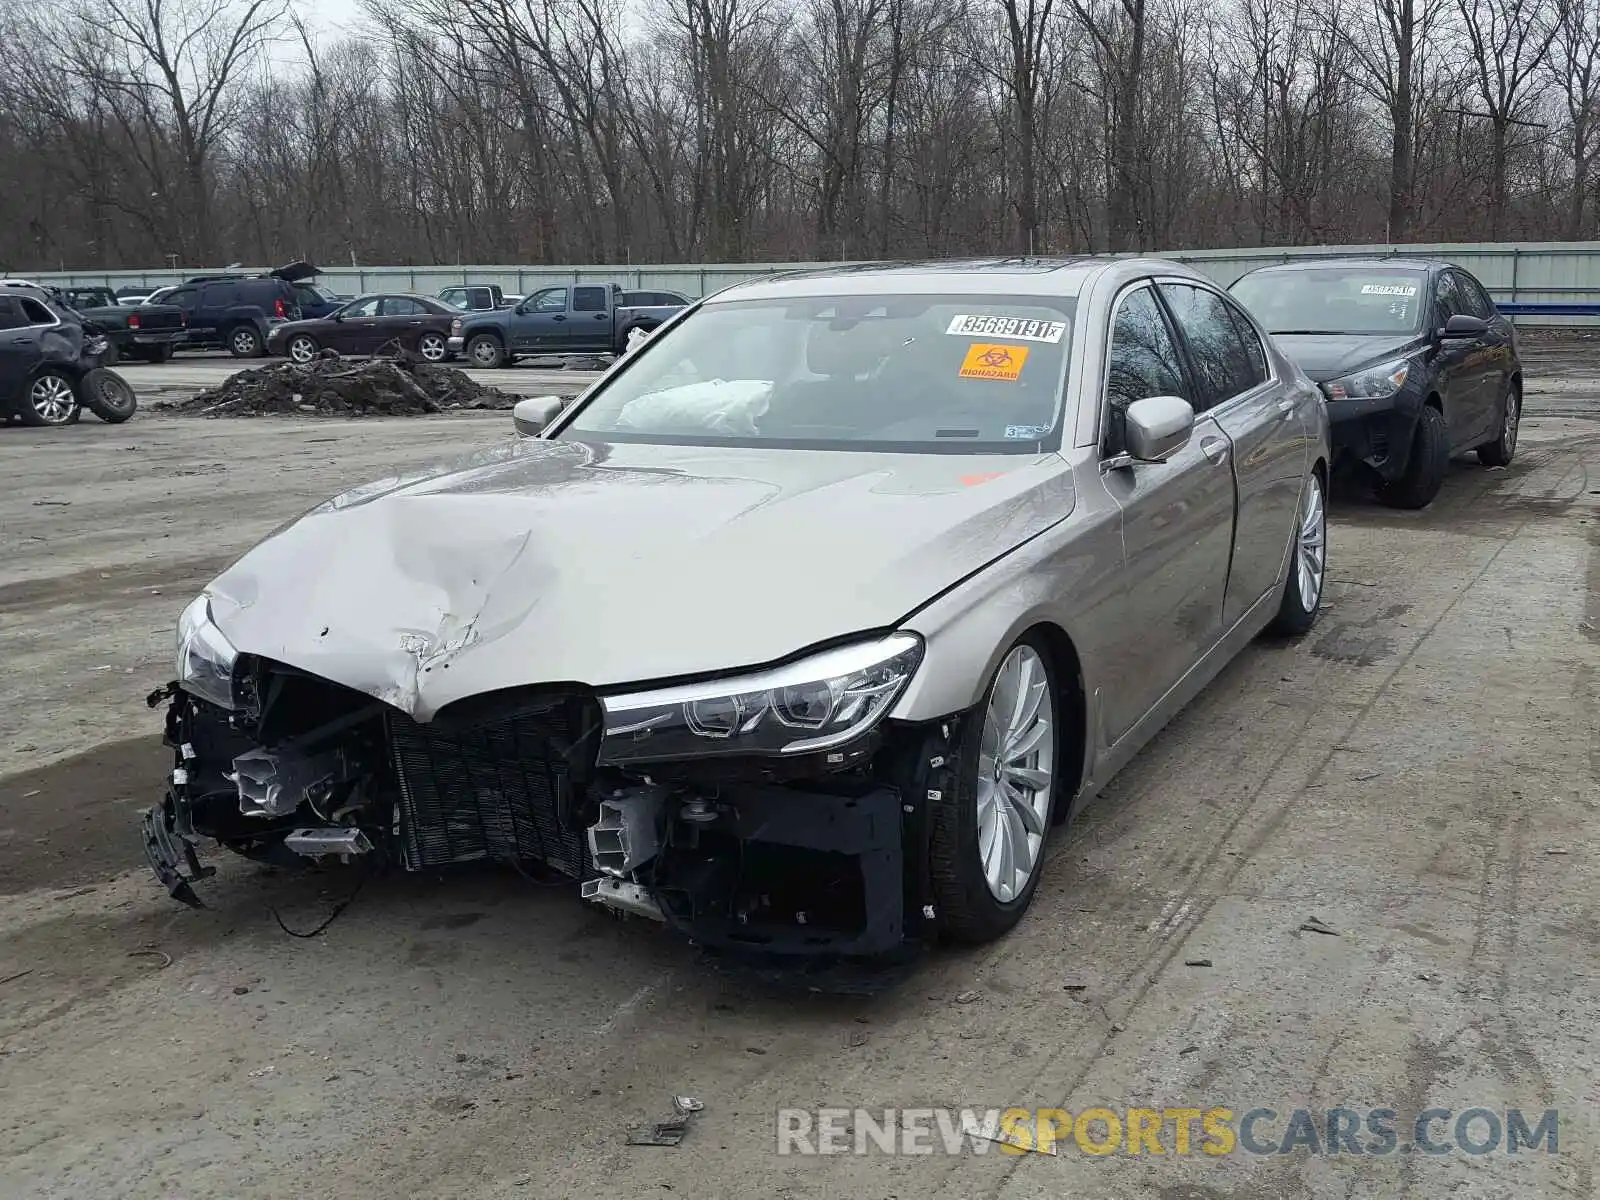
(1045, 277)
(1367, 261)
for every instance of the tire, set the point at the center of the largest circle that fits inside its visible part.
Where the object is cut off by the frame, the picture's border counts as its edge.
(302, 348)
(432, 348)
(108, 396)
(1425, 468)
(1499, 452)
(1308, 562)
(244, 341)
(971, 908)
(486, 352)
(51, 400)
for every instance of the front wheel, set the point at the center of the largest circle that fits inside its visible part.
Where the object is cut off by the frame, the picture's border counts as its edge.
(1425, 468)
(51, 400)
(302, 348)
(1308, 563)
(244, 342)
(108, 395)
(1498, 453)
(989, 827)
(486, 352)
(432, 347)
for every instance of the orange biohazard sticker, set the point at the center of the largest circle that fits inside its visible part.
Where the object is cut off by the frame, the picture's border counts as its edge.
(987, 360)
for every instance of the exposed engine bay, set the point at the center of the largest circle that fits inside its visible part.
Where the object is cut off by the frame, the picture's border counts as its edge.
(813, 855)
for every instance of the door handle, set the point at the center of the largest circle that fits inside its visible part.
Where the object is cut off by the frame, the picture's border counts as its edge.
(558, 318)
(1215, 449)
(1286, 408)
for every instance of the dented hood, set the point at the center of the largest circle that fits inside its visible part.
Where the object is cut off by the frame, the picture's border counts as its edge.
(604, 565)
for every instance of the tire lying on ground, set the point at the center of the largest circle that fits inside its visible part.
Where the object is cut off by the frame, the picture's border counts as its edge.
(108, 396)
(398, 386)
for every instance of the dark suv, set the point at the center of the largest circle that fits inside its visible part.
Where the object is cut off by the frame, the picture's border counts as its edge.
(237, 311)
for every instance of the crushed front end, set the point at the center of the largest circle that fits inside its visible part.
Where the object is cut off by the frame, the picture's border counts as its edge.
(776, 816)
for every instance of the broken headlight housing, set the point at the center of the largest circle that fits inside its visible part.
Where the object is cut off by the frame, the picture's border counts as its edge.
(1374, 383)
(205, 656)
(817, 703)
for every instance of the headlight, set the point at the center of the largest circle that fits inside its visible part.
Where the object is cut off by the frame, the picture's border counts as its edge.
(1374, 383)
(817, 703)
(205, 658)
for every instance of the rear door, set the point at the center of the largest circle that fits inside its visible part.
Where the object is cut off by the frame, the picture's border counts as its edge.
(400, 320)
(1267, 445)
(1177, 519)
(591, 322)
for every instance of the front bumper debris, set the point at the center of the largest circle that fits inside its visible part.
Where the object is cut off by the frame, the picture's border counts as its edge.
(1376, 433)
(785, 864)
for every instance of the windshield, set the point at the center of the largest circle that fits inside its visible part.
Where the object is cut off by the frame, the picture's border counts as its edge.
(1353, 300)
(957, 374)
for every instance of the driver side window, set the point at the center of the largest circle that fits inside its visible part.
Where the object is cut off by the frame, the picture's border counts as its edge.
(1143, 362)
(552, 300)
(365, 308)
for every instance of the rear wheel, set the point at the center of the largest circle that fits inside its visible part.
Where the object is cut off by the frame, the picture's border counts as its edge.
(485, 351)
(989, 828)
(108, 395)
(431, 346)
(1426, 466)
(51, 400)
(244, 342)
(1499, 452)
(302, 348)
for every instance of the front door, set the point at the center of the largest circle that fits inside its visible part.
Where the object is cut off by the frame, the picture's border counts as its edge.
(1465, 372)
(1177, 522)
(359, 331)
(541, 321)
(1261, 420)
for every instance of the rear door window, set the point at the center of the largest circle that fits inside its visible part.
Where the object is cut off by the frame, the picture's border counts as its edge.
(402, 306)
(219, 295)
(11, 313)
(36, 313)
(589, 299)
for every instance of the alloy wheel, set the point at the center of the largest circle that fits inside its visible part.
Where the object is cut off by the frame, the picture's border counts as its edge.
(1311, 547)
(302, 350)
(51, 397)
(1508, 431)
(1016, 763)
(432, 347)
(244, 343)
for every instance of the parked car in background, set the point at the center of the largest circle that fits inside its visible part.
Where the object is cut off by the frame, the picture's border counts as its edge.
(369, 325)
(1416, 363)
(584, 319)
(953, 543)
(477, 297)
(315, 300)
(50, 364)
(133, 295)
(148, 332)
(238, 312)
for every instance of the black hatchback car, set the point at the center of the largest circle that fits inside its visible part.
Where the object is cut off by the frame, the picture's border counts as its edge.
(1416, 363)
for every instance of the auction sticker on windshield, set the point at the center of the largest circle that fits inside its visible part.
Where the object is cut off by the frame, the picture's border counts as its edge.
(1388, 289)
(1022, 328)
(986, 360)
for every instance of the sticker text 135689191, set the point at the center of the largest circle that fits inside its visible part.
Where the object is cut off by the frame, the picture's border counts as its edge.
(985, 360)
(1021, 328)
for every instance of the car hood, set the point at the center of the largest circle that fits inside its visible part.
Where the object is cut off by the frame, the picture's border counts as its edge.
(1325, 356)
(602, 565)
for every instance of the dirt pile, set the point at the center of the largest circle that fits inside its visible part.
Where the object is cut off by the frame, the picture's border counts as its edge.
(331, 387)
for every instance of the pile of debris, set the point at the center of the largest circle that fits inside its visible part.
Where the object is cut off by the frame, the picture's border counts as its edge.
(400, 386)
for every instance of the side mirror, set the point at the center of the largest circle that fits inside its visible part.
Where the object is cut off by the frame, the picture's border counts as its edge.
(1158, 427)
(1463, 328)
(532, 415)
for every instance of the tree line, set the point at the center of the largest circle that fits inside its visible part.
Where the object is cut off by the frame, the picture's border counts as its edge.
(140, 133)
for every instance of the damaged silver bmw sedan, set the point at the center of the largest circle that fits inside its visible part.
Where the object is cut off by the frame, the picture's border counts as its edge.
(798, 631)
